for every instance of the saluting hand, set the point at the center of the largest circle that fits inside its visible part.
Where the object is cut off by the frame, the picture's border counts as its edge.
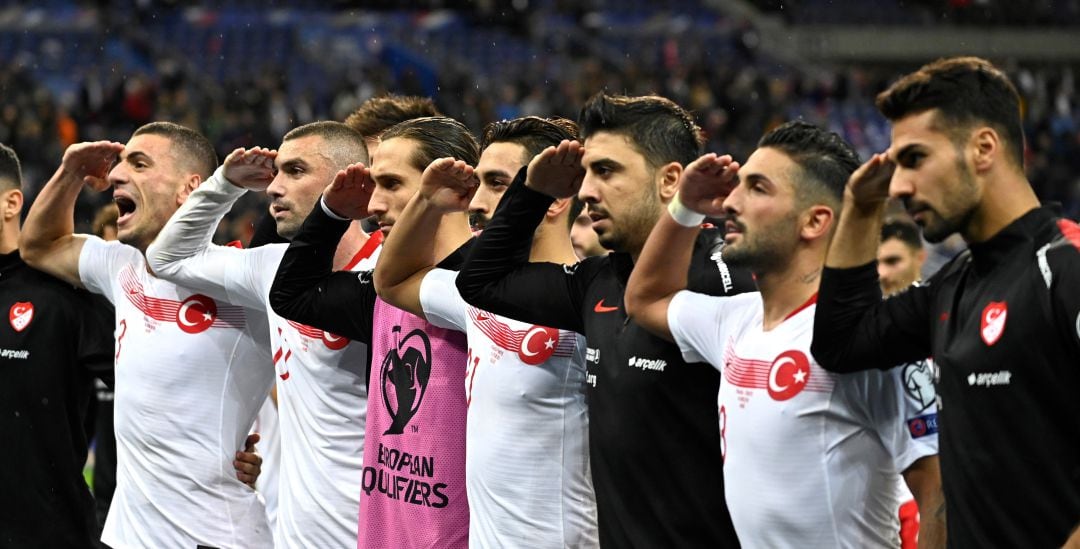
(706, 182)
(90, 162)
(251, 169)
(348, 195)
(868, 186)
(557, 171)
(448, 185)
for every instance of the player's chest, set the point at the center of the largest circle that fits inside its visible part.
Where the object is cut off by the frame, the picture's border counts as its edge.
(771, 379)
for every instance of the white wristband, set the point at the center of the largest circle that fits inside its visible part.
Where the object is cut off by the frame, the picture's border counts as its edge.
(682, 215)
(326, 210)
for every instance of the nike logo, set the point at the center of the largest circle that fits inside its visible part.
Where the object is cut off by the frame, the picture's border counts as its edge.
(600, 308)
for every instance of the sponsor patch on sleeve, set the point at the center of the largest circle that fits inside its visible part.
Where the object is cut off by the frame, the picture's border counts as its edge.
(923, 426)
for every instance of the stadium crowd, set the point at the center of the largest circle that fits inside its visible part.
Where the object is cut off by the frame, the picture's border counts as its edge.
(658, 305)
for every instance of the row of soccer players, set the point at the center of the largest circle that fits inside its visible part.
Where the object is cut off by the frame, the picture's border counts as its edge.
(589, 410)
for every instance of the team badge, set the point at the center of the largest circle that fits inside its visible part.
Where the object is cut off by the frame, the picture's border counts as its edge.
(334, 342)
(196, 314)
(20, 315)
(538, 345)
(993, 322)
(788, 375)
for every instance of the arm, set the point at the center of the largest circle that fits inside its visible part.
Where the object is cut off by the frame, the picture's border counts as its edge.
(923, 478)
(497, 275)
(661, 270)
(48, 242)
(182, 253)
(307, 291)
(853, 328)
(409, 252)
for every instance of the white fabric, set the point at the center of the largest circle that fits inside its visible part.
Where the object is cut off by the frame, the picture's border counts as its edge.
(184, 404)
(269, 447)
(321, 378)
(527, 460)
(819, 464)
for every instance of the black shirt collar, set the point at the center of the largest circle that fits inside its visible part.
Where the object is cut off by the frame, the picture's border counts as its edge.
(1007, 242)
(9, 262)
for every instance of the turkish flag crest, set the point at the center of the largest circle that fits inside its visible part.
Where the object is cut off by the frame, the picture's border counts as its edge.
(993, 322)
(20, 315)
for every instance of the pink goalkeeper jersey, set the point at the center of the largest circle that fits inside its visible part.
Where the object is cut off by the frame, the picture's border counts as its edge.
(413, 488)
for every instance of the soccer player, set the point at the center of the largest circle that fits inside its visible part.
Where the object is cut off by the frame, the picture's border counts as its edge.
(811, 459)
(527, 465)
(413, 485)
(1002, 320)
(900, 256)
(190, 371)
(653, 441)
(321, 377)
(56, 343)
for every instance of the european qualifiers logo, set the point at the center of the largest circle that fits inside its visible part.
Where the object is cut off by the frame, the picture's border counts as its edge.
(919, 383)
(389, 478)
(404, 375)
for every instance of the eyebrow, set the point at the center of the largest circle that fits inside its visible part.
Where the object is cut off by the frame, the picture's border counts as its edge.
(609, 162)
(134, 156)
(488, 174)
(907, 150)
(289, 163)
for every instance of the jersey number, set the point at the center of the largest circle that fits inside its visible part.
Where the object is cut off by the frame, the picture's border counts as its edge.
(120, 338)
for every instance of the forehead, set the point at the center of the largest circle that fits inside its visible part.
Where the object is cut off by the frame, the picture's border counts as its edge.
(612, 146)
(894, 246)
(395, 155)
(158, 147)
(505, 156)
(306, 146)
(922, 128)
(772, 164)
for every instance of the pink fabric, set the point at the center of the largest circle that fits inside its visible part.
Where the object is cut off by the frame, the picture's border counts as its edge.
(413, 491)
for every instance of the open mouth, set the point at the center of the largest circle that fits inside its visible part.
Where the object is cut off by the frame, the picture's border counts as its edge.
(125, 206)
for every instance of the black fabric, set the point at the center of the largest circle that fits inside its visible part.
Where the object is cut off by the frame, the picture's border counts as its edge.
(48, 371)
(1008, 411)
(653, 421)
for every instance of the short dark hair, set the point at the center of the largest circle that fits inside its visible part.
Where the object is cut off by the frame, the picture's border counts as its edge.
(662, 131)
(193, 147)
(965, 91)
(10, 169)
(378, 114)
(532, 132)
(823, 156)
(346, 145)
(439, 137)
(903, 231)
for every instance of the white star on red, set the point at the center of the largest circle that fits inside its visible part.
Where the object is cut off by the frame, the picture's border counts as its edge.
(549, 344)
(800, 376)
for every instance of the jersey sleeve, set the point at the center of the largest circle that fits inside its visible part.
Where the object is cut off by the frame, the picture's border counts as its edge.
(99, 263)
(854, 329)
(497, 276)
(441, 301)
(700, 324)
(1064, 263)
(900, 405)
(306, 290)
(96, 318)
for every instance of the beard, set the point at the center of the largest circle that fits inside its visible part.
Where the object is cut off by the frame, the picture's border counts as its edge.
(959, 202)
(763, 250)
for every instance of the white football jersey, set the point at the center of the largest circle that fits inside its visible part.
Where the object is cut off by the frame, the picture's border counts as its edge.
(811, 458)
(190, 376)
(321, 377)
(527, 451)
(269, 447)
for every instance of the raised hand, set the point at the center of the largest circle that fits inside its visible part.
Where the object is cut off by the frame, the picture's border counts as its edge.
(868, 186)
(557, 171)
(706, 182)
(90, 162)
(349, 193)
(251, 169)
(448, 185)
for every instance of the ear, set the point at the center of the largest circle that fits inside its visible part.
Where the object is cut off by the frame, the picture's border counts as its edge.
(190, 184)
(920, 256)
(557, 208)
(817, 222)
(987, 148)
(668, 180)
(12, 204)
